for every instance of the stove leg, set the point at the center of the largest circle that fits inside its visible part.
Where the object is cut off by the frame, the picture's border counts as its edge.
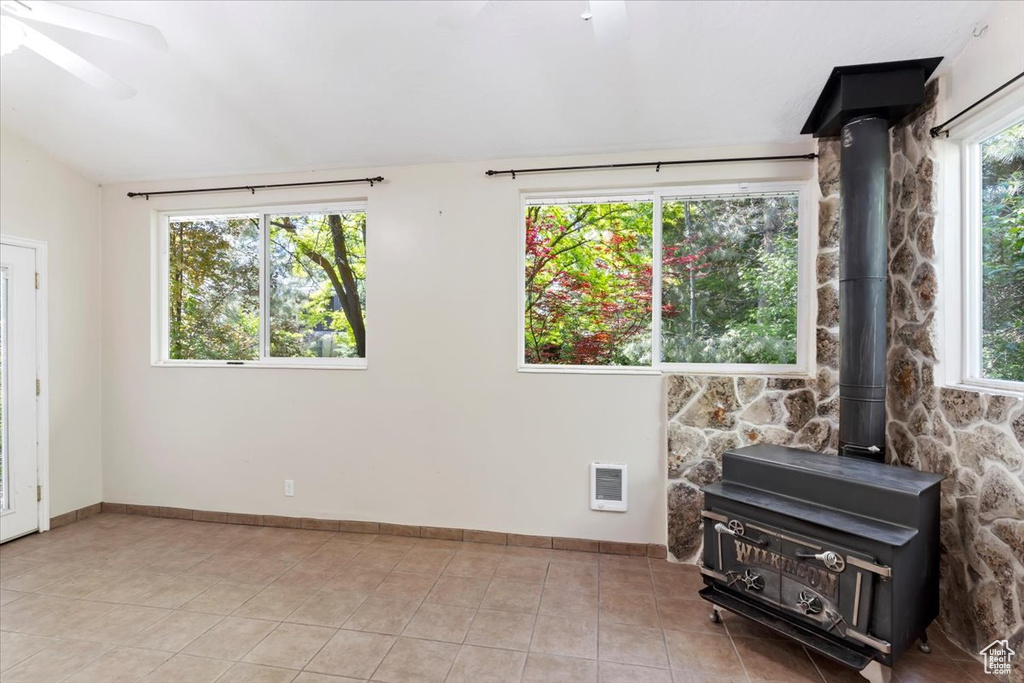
(924, 646)
(716, 617)
(876, 673)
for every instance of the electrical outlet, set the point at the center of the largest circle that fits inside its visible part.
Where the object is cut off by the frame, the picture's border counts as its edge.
(289, 487)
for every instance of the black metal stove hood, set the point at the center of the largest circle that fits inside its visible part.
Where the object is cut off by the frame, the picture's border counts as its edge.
(859, 104)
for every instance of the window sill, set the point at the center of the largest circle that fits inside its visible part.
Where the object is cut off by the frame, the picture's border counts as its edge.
(587, 370)
(360, 365)
(736, 369)
(985, 388)
(672, 369)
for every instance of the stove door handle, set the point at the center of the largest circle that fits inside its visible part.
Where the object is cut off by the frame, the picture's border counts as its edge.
(830, 559)
(723, 529)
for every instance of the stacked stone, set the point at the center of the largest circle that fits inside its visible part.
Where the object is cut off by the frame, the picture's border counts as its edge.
(827, 323)
(710, 415)
(975, 439)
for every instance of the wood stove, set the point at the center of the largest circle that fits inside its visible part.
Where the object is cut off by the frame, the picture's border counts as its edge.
(839, 553)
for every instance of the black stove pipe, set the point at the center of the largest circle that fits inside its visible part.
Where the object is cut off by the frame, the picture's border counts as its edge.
(863, 271)
(859, 103)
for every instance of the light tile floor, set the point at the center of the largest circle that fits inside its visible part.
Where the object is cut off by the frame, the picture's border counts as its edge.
(121, 598)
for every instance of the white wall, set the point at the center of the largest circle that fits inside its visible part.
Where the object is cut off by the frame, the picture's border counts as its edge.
(441, 429)
(987, 61)
(43, 199)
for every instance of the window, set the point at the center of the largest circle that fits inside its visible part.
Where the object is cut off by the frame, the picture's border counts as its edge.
(266, 287)
(992, 351)
(729, 279)
(588, 282)
(1002, 255)
(724, 295)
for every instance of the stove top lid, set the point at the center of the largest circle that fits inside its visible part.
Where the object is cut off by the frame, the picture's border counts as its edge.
(879, 531)
(902, 479)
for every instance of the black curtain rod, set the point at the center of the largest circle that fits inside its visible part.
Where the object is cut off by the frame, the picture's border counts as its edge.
(941, 128)
(656, 164)
(253, 188)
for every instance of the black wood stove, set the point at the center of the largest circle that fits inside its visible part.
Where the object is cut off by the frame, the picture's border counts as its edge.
(839, 553)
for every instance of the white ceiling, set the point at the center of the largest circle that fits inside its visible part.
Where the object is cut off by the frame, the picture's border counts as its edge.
(252, 87)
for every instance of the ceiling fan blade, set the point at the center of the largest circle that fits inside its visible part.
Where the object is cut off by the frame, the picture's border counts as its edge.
(611, 24)
(86, 21)
(77, 66)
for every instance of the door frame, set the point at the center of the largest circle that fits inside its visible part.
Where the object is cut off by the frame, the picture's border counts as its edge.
(42, 374)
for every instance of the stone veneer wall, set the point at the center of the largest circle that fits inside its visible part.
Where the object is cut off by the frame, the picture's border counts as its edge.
(975, 439)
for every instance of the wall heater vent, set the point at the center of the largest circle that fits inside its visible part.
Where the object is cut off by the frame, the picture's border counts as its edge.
(608, 487)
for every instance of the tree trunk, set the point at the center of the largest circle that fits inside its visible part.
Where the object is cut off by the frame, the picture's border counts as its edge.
(349, 293)
(179, 282)
(341, 276)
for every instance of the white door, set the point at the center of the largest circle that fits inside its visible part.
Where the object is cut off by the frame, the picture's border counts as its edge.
(19, 507)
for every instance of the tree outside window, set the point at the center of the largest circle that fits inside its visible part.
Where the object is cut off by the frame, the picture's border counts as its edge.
(1002, 252)
(309, 266)
(588, 284)
(729, 280)
(728, 275)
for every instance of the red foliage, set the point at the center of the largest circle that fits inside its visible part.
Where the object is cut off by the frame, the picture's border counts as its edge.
(585, 316)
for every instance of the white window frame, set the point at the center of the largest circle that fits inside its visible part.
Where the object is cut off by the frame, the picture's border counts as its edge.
(160, 337)
(807, 246)
(959, 247)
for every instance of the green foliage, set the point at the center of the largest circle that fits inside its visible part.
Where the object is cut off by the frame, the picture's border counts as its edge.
(317, 275)
(3, 392)
(313, 259)
(1003, 255)
(729, 282)
(729, 285)
(588, 284)
(213, 288)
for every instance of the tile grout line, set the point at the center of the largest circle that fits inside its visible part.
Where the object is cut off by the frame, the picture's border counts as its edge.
(597, 654)
(339, 629)
(661, 623)
(336, 630)
(396, 637)
(478, 608)
(736, 650)
(451, 666)
(814, 664)
(418, 608)
(536, 617)
(84, 666)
